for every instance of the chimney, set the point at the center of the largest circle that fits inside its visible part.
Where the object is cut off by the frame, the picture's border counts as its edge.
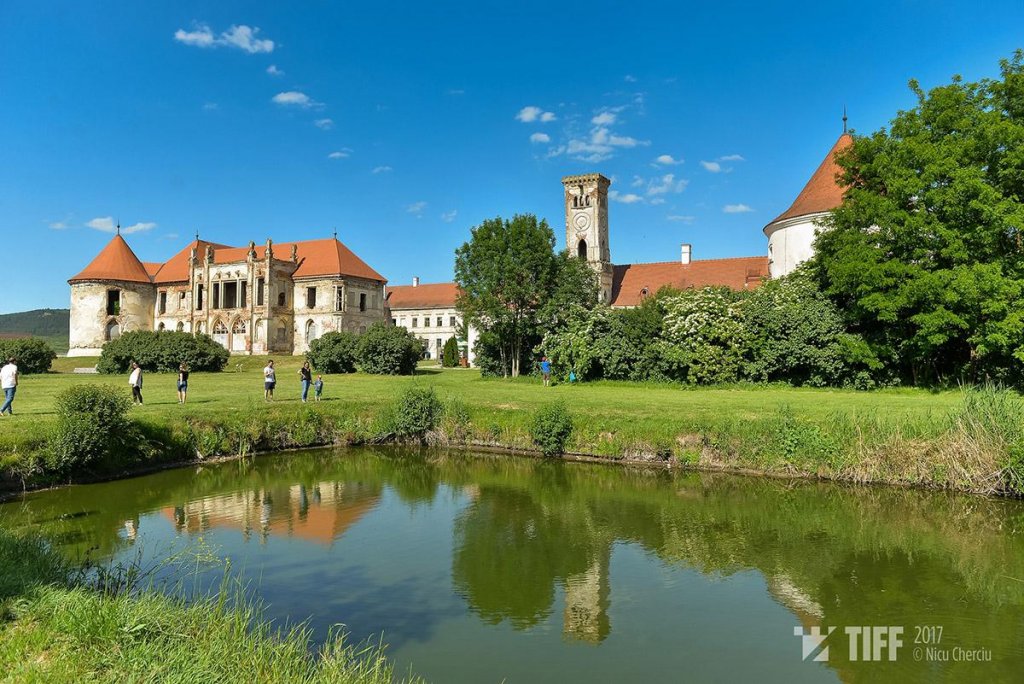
(685, 253)
(415, 281)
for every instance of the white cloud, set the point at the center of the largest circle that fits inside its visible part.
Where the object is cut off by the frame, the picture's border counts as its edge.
(681, 218)
(238, 36)
(455, 91)
(605, 118)
(629, 78)
(530, 114)
(712, 166)
(202, 36)
(638, 182)
(59, 225)
(736, 209)
(666, 184)
(210, 106)
(732, 157)
(274, 71)
(628, 198)
(416, 208)
(106, 224)
(325, 124)
(449, 216)
(343, 153)
(381, 169)
(244, 38)
(667, 160)
(540, 138)
(294, 98)
(171, 236)
(658, 200)
(600, 145)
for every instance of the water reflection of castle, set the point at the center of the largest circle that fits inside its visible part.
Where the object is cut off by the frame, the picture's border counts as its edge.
(320, 513)
(587, 601)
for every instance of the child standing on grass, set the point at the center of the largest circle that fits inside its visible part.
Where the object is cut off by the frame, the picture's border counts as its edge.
(182, 382)
(545, 370)
(318, 387)
(269, 381)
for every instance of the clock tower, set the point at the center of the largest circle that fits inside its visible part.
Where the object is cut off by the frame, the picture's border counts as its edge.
(586, 225)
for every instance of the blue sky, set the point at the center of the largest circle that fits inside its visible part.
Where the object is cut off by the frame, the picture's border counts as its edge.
(404, 124)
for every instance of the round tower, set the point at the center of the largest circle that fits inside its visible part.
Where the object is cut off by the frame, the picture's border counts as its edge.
(113, 294)
(791, 235)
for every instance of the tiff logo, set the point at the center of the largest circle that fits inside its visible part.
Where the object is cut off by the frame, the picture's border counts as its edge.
(867, 643)
(812, 641)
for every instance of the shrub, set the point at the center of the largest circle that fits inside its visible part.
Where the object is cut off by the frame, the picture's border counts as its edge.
(416, 412)
(388, 350)
(551, 428)
(450, 354)
(33, 354)
(162, 352)
(334, 352)
(92, 428)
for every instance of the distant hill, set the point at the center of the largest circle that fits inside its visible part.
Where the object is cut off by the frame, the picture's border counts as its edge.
(53, 325)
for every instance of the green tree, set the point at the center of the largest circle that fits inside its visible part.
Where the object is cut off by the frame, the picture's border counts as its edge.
(450, 354)
(513, 287)
(388, 350)
(334, 352)
(925, 256)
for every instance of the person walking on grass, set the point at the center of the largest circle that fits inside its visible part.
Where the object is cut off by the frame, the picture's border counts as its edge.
(182, 382)
(318, 387)
(9, 384)
(135, 380)
(269, 381)
(545, 370)
(306, 377)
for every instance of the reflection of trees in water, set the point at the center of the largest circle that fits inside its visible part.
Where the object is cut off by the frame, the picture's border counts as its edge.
(831, 554)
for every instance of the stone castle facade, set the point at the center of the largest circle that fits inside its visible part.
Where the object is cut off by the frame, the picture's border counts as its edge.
(252, 300)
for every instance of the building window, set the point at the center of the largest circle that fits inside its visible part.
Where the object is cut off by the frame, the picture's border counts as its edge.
(181, 300)
(161, 327)
(394, 322)
(414, 321)
(199, 298)
(113, 302)
(261, 284)
(581, 249)
(452, 322)
(180, 327)
(310, 331)
(310, 297)
(113, 331)
(216, 296)
(339, 299)
(162, 306)
(230, 295)
(440, 322)
(362, 301)
(282, 298)
(243, 294)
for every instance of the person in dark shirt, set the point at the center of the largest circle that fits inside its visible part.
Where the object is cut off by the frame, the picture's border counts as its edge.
(182, 382)
(306, 376)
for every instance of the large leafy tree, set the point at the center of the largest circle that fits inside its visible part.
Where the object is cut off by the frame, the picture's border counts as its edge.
(925, 256)
(513, 287)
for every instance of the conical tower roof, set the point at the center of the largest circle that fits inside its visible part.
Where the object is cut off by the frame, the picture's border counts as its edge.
(823, 192)
(117, 261)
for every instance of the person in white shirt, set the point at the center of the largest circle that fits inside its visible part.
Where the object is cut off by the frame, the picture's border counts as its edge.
(269, 381)
(135, 380)
(9, 384)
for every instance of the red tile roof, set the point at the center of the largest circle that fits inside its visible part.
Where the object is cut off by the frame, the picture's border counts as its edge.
(631, 283)
(823, 192)
(116, 261)
(317, 258)
(423, 296)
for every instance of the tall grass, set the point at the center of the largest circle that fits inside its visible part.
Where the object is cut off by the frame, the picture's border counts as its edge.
(58, 626)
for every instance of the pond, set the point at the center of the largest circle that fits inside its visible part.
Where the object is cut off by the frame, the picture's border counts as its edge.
(481, 568)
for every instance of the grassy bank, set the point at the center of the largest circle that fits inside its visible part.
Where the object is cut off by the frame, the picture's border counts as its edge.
(57, 627)
(954, 440)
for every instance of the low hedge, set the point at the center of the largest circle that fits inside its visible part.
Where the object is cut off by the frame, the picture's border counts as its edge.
(33, 355)
(162, 352)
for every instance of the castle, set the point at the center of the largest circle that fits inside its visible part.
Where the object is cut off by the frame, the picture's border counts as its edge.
(277, 298)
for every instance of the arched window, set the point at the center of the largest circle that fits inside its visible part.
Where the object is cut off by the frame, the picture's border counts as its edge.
(113, 331)
(581, 249)
(200, 327)
(219, 328)
(180, 327)
(161, 327)
(238, 328)
(257, 330)
(310, 331)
